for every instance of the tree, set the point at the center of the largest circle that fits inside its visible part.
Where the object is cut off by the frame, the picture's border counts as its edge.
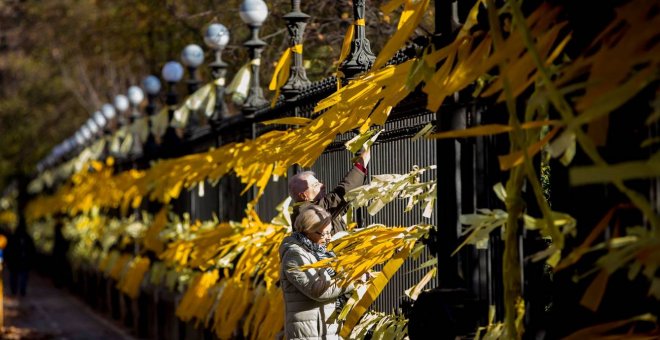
(61, 60)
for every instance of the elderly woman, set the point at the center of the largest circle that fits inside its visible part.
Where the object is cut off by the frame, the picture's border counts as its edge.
(310, 296)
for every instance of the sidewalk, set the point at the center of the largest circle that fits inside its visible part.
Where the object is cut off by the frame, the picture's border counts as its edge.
(50, 313)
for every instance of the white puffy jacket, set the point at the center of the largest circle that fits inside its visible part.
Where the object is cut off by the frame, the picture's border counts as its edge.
(309, 295)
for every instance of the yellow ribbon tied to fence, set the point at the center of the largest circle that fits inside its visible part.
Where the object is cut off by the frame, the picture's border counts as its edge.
(282, 71)
(239, 85)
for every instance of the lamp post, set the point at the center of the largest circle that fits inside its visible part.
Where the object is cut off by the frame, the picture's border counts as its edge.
(121, 104)
(217, 37)
(135, 98)
(254, 13)
(80, 139)
(67, 147)
(295, 24)
(192, 57)
(360, 58)
(109, 113)
(86, 133)
(100, 120)
(93, 128)
(172, 73)
(152, 86)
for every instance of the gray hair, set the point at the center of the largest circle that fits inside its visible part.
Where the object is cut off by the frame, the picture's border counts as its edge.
(298, 184)
(312, 218)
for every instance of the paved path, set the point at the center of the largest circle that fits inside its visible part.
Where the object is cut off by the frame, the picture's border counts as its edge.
(50, 313)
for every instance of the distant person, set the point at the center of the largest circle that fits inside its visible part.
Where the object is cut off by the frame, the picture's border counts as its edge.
(305, 189)
(19, 255)
(310, 296)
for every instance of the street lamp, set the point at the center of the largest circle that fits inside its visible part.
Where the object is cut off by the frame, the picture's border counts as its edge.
(135, 97)
(296, 21)
(109, 113)
(152, 86)
(80, 139)
(87, 134)
(172, 73)
(192, 57)
(93, 128)
(217, 37)
(254, 13)
(121, 104)
(100, 120)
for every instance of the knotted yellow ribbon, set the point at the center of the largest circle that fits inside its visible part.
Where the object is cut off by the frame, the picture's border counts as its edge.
(282, 71)
(239, 85)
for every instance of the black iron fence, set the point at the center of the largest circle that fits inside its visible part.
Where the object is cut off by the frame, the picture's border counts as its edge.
(468, 282)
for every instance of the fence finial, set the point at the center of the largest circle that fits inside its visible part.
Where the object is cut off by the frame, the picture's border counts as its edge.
(296, 21)
(360, 57)
(217, 37)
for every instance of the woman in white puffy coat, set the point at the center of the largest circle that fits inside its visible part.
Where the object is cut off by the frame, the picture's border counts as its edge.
(310, 296)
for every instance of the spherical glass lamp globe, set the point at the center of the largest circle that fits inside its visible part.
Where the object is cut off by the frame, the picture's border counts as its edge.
(151, 84)
(108, 111)
(85, 132)
(79, 138)
(56, 151)
(253, 12)
(92, 127)
(216, 36)
(135, 95)
(121, 102)
(70, 144)
(99, 119)
(192, 55)
(172, 72)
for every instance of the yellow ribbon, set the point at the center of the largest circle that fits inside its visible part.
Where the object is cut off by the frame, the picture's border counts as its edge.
(238, 87)
(408, 10)
(282, 71)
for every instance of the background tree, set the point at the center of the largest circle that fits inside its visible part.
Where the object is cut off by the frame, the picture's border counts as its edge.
(61, 60)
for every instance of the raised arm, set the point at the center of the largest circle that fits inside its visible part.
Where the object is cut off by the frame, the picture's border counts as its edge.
(353, 179)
